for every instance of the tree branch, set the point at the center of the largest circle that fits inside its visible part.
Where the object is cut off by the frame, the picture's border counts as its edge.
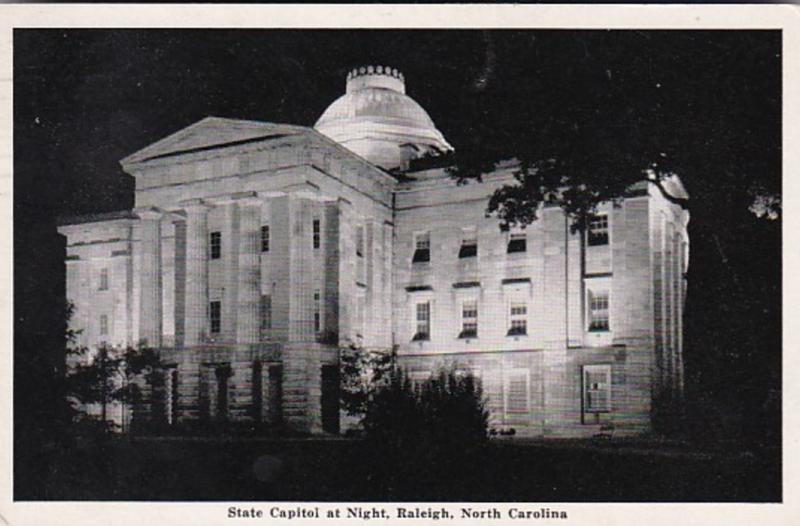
(680, 201)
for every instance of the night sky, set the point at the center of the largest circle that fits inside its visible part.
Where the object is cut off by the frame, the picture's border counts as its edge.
(83, 99)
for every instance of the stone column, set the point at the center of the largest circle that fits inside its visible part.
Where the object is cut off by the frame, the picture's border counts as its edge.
(249, 275)
(331, 273)
(301, 381)
(559, 390)
(574, 284)
(301, 326)
(230, 261)
(196, 293)
(179, 305)
(150, 302)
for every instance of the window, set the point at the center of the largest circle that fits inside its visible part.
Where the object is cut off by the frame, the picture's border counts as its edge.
(518, 319)
(422, 248)
(469, 319)
(315, 235)
(598, 231)
(215, 316)
(517, 241)
(265, 314)
(103, 279)
(423, 321)
(216, 245)
(265, 238)
(598, 311)
(596, 388)
(517, 392)
(469, 244)
(317, 313)
(360, 241)
(103, 324)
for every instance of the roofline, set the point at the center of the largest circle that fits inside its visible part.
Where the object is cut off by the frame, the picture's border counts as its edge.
(133, 158)
(353, 154)
(67, 220)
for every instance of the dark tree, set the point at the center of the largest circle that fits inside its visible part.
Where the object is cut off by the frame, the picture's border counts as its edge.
(104, 376)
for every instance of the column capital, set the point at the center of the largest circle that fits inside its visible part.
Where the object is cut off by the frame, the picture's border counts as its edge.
(234, 198)
(250, 200)
(149, 212)
(195, 205)
(177, 216)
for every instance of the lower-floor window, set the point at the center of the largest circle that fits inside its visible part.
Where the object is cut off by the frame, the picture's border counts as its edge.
(517, 392)
(469, 319)
(596, 389)
(518, 319)
(215, 316)
(423, 312)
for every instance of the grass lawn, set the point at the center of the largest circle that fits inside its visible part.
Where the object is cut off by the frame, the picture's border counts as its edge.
(340, 470)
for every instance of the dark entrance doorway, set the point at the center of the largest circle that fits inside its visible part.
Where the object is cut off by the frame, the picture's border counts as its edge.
(330, 399)
(223, 373)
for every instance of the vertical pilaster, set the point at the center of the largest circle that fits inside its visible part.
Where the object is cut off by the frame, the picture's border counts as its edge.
(574, 280)
(150, 303)
(681, 304)
(230, 261)
(196, 296)
(556, 397)
(249, 271)
(371, 310)
(129, 286)
(676, 313)
(388, 285)
(669, 319)
(636, 298)
(179, 304)
(194, 235)
(331, 272)
(555, 276)
(657, 249)
(301, 362)
(280, 264)
(301, 318)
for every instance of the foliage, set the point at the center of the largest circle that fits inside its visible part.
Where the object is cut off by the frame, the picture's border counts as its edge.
(362, 373)
(638, 106)
(432, 431)
(106, 375)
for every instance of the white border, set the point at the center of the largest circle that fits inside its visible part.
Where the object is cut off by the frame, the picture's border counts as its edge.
(408, 16)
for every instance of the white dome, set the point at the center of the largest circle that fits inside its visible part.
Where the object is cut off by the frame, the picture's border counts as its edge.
(378, 121)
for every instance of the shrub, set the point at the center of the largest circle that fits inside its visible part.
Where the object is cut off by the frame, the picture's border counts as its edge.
(426, 434)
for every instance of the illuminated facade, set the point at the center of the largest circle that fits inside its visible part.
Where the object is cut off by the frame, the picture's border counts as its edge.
(256, 251)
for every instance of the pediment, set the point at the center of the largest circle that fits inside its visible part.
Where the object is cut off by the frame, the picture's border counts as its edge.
(213, 132)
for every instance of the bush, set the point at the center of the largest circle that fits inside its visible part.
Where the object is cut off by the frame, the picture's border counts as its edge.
(427, 434)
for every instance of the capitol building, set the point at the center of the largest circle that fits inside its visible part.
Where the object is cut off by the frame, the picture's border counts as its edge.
(257, 251)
